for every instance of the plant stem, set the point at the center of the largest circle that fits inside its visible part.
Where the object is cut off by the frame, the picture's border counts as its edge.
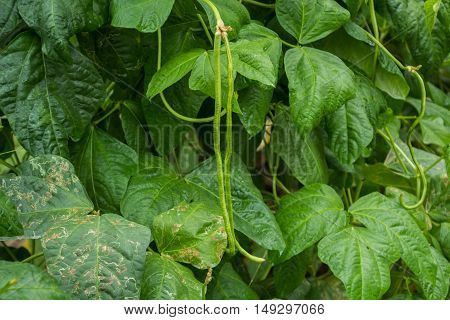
(248, 255)
(260, 4)
(110, 112)
(9, 166)
(373, 19)
(164, 100)
(288, 44)
(283, 187)
(433, 164)
(34, 256)
(205, 28)
(9, 252)
(392, 141)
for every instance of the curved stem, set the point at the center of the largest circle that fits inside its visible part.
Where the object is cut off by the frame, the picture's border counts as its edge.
(420, 171)
(261, 4)
(31, 258)
(248, 255)
(164, 100)
(205, 28)
(9, 166)
(392, 141)
(110, 112)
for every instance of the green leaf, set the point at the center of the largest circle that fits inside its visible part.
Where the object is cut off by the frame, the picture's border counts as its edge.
(9, 18)
(10, 225)
(97, 257)
(173, 71)
(290, 274)
(150, 195)
(47, 101)
(228, 285)
(307, 216)
(253, 62)
(361, 259)
(46, 191)
(351, 128)
(233, 13)
(24, 281)
(143, 15)
(412, 21)
(319, 83)
(165, 279)
(431, 11)
(252, 217)
(192, 233)
(310, 20)
(382, 175)
(390, 79)
(255, 102)
(134, 126)
(434, 131)
(303, 155)
(444, 238)
(386, 217)
(104, 165)
(56, 21)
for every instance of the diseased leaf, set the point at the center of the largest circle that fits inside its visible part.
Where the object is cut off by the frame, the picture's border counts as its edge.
(143, 15)
(46, 191)
(104, 165)
(97, 257)
(229, 286)
(47, 101)
(192, 233)
(386, 217)
(303, 155)
(307, 216)
(310, 20)
(24, 281)
(165, 279)
(351, 127)
(252, 217)
(361, 259)
(56, 21)
(173, 71)
(319, 83)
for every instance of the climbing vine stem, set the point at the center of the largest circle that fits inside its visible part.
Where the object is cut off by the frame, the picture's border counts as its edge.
(420, 173)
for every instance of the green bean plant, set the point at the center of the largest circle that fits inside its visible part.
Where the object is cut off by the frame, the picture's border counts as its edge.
(224, 149)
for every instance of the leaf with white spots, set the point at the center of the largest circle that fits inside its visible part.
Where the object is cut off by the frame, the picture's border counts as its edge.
(97, 257)
(46, 190)
(192, 233)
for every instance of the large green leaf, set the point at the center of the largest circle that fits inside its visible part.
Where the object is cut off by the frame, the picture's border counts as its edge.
(310, 20)
(254, 62)
(444, 238)
(143, 15)
(104, 165)
(191, 233)
(319, 83)
(307, 216)
(46, 191)
(9, 18)
(97, 257)
(382, 215)
(47, 101)
(10, 225)
(228, 285)
(165, 279)
(172, 71)
(24, 281)
(361, 259)
(351, 127)
(252, 217)
(57, 21)
(303, 155)
(233, 13)
(150, 195)
(428, 46)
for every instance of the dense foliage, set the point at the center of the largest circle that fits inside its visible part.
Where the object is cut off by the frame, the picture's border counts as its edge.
(224, 149)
